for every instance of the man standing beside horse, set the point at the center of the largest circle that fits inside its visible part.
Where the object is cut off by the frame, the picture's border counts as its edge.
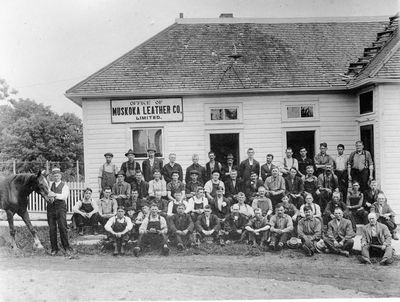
(57, 213)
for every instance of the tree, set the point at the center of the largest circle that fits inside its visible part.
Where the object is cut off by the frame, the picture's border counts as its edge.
(33, 132)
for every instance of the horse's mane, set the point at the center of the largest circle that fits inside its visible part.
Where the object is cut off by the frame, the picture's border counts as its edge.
(23, 178)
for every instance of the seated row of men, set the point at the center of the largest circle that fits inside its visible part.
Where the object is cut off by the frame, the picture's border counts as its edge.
(187, 223)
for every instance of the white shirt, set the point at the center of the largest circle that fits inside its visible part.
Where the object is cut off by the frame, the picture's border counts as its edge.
(194, 200)
(111, 221)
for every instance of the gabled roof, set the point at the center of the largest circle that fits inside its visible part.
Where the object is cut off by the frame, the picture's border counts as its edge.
(232, 55)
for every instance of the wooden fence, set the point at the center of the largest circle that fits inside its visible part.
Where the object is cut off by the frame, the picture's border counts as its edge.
(38, 205)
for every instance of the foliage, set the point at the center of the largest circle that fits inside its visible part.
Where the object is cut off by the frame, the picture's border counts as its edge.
(32, 132)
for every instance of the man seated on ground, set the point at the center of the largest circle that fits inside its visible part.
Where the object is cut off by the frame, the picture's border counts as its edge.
(173, 205)
(144, 212)
(153, 230)
(251, 186)
(119, 227)
(86, 212)
(340, 234)
(107, 206)
(157, 184)
(327, 184)
(196, 204)
(309, 231)
(181, 228)
(208, 226)
(376, 242)
(315, 209)
(175, 186)
(258, 229)
(275, 186)
(262, 202)
(233, 186)
(210, 187)
(192, 184)
(234, 225)
(121, 189)
(161, 203)
(220, 206)
(385, 214)
(328, 214)
(281, 229)
(244, 208)
(294, 188)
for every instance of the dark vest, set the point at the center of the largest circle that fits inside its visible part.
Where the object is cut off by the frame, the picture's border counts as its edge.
(119, 226)
(58, 189)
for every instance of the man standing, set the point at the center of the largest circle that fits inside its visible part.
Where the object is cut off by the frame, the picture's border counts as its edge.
(309, 231)
(153, 230)
(360, 166)
(322, 159)
(281, 229)
(289, 162)
(266, 169)
(121, 189)
(119, 227)
(57, 213)
(107, 173)
(130, 167)
(249, 165)
(340, 234)
(304, 162)
(340, 169)
(201, 171)
(151, 164)
(212, 166)
(376, 241)
(228, 168)
(171, 167)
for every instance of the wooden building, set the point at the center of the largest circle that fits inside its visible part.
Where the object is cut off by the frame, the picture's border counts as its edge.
(227, 84)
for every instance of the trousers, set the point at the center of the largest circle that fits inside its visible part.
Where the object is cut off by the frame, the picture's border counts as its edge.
(57, 217)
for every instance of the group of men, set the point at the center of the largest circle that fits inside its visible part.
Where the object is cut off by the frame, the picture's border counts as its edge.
(267, 205)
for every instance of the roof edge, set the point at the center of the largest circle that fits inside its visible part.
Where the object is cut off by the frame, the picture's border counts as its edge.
(119, 58)
(282, 20)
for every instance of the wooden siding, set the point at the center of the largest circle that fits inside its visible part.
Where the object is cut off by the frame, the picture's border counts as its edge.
(261, 128)
(389, 140)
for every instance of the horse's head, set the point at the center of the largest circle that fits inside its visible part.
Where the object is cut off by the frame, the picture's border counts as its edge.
(41, 186)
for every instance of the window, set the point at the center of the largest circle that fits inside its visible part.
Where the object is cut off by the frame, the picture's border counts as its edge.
(221, 113)
(145, 138)
(366, 102)
(293, 111)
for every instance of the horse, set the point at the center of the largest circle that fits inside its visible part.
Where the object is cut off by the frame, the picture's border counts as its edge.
(14, 192)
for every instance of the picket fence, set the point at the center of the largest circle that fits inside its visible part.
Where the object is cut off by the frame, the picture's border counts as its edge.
(38, 205)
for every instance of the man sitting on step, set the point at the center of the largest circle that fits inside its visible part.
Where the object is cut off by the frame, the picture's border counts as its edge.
(119, 227)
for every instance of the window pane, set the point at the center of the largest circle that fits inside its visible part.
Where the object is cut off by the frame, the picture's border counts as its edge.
(217, 114)
(231, 114)
(366, 102)
(307, 111)
(145, 138)
(293, 112)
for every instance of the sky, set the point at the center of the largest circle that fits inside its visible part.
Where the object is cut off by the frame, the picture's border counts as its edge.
(48, 46)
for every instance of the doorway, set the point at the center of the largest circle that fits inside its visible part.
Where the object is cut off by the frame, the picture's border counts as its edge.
(367, 136)
(224, 143)
(298, 139)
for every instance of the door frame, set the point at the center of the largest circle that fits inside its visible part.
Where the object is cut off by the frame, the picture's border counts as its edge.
(317, 140)
(222, 131)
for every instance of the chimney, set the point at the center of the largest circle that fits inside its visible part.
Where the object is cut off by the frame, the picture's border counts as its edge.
(226, 15)
(180, 15)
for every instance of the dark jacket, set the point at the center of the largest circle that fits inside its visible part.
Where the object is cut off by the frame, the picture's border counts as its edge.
(201, 223)
(199, 168)
(266, 172)
(167, 171)
(231, 225)
(148, 170)
(181, 223)
(231, 190)
(297, 187)
(224, 209)
(245, 169)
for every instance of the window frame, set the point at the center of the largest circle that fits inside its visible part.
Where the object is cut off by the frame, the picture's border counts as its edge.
(209, 107)
(132, 129)
(359, 102)
(303, 103)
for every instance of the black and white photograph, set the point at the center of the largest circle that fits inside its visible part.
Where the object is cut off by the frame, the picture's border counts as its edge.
(189, 150)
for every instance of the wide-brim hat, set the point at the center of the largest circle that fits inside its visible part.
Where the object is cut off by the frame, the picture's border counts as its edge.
(108, 154)
(121, 173)
(130, 151)
(56, 171)
(194, 172)
(293, 243)
(151, 149)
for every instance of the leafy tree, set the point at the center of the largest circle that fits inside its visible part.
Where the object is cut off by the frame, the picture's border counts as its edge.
(32, 132)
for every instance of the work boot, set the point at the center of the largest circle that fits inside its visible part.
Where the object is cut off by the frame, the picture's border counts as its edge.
(307, 250)
(344, 253)
(180, 247)
(122, 252)
(363, 259)
(80, 231)
(165, 250)
(136, 251)
(115, 253)
(279, 247)
(395, 236)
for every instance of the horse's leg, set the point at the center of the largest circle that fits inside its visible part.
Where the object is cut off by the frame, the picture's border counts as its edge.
(27, 220)
(10, 218)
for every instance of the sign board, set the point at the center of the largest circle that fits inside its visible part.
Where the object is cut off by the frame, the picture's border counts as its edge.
(146, 110)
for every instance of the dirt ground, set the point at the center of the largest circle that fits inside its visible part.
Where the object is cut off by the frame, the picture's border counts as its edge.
(233, 272)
